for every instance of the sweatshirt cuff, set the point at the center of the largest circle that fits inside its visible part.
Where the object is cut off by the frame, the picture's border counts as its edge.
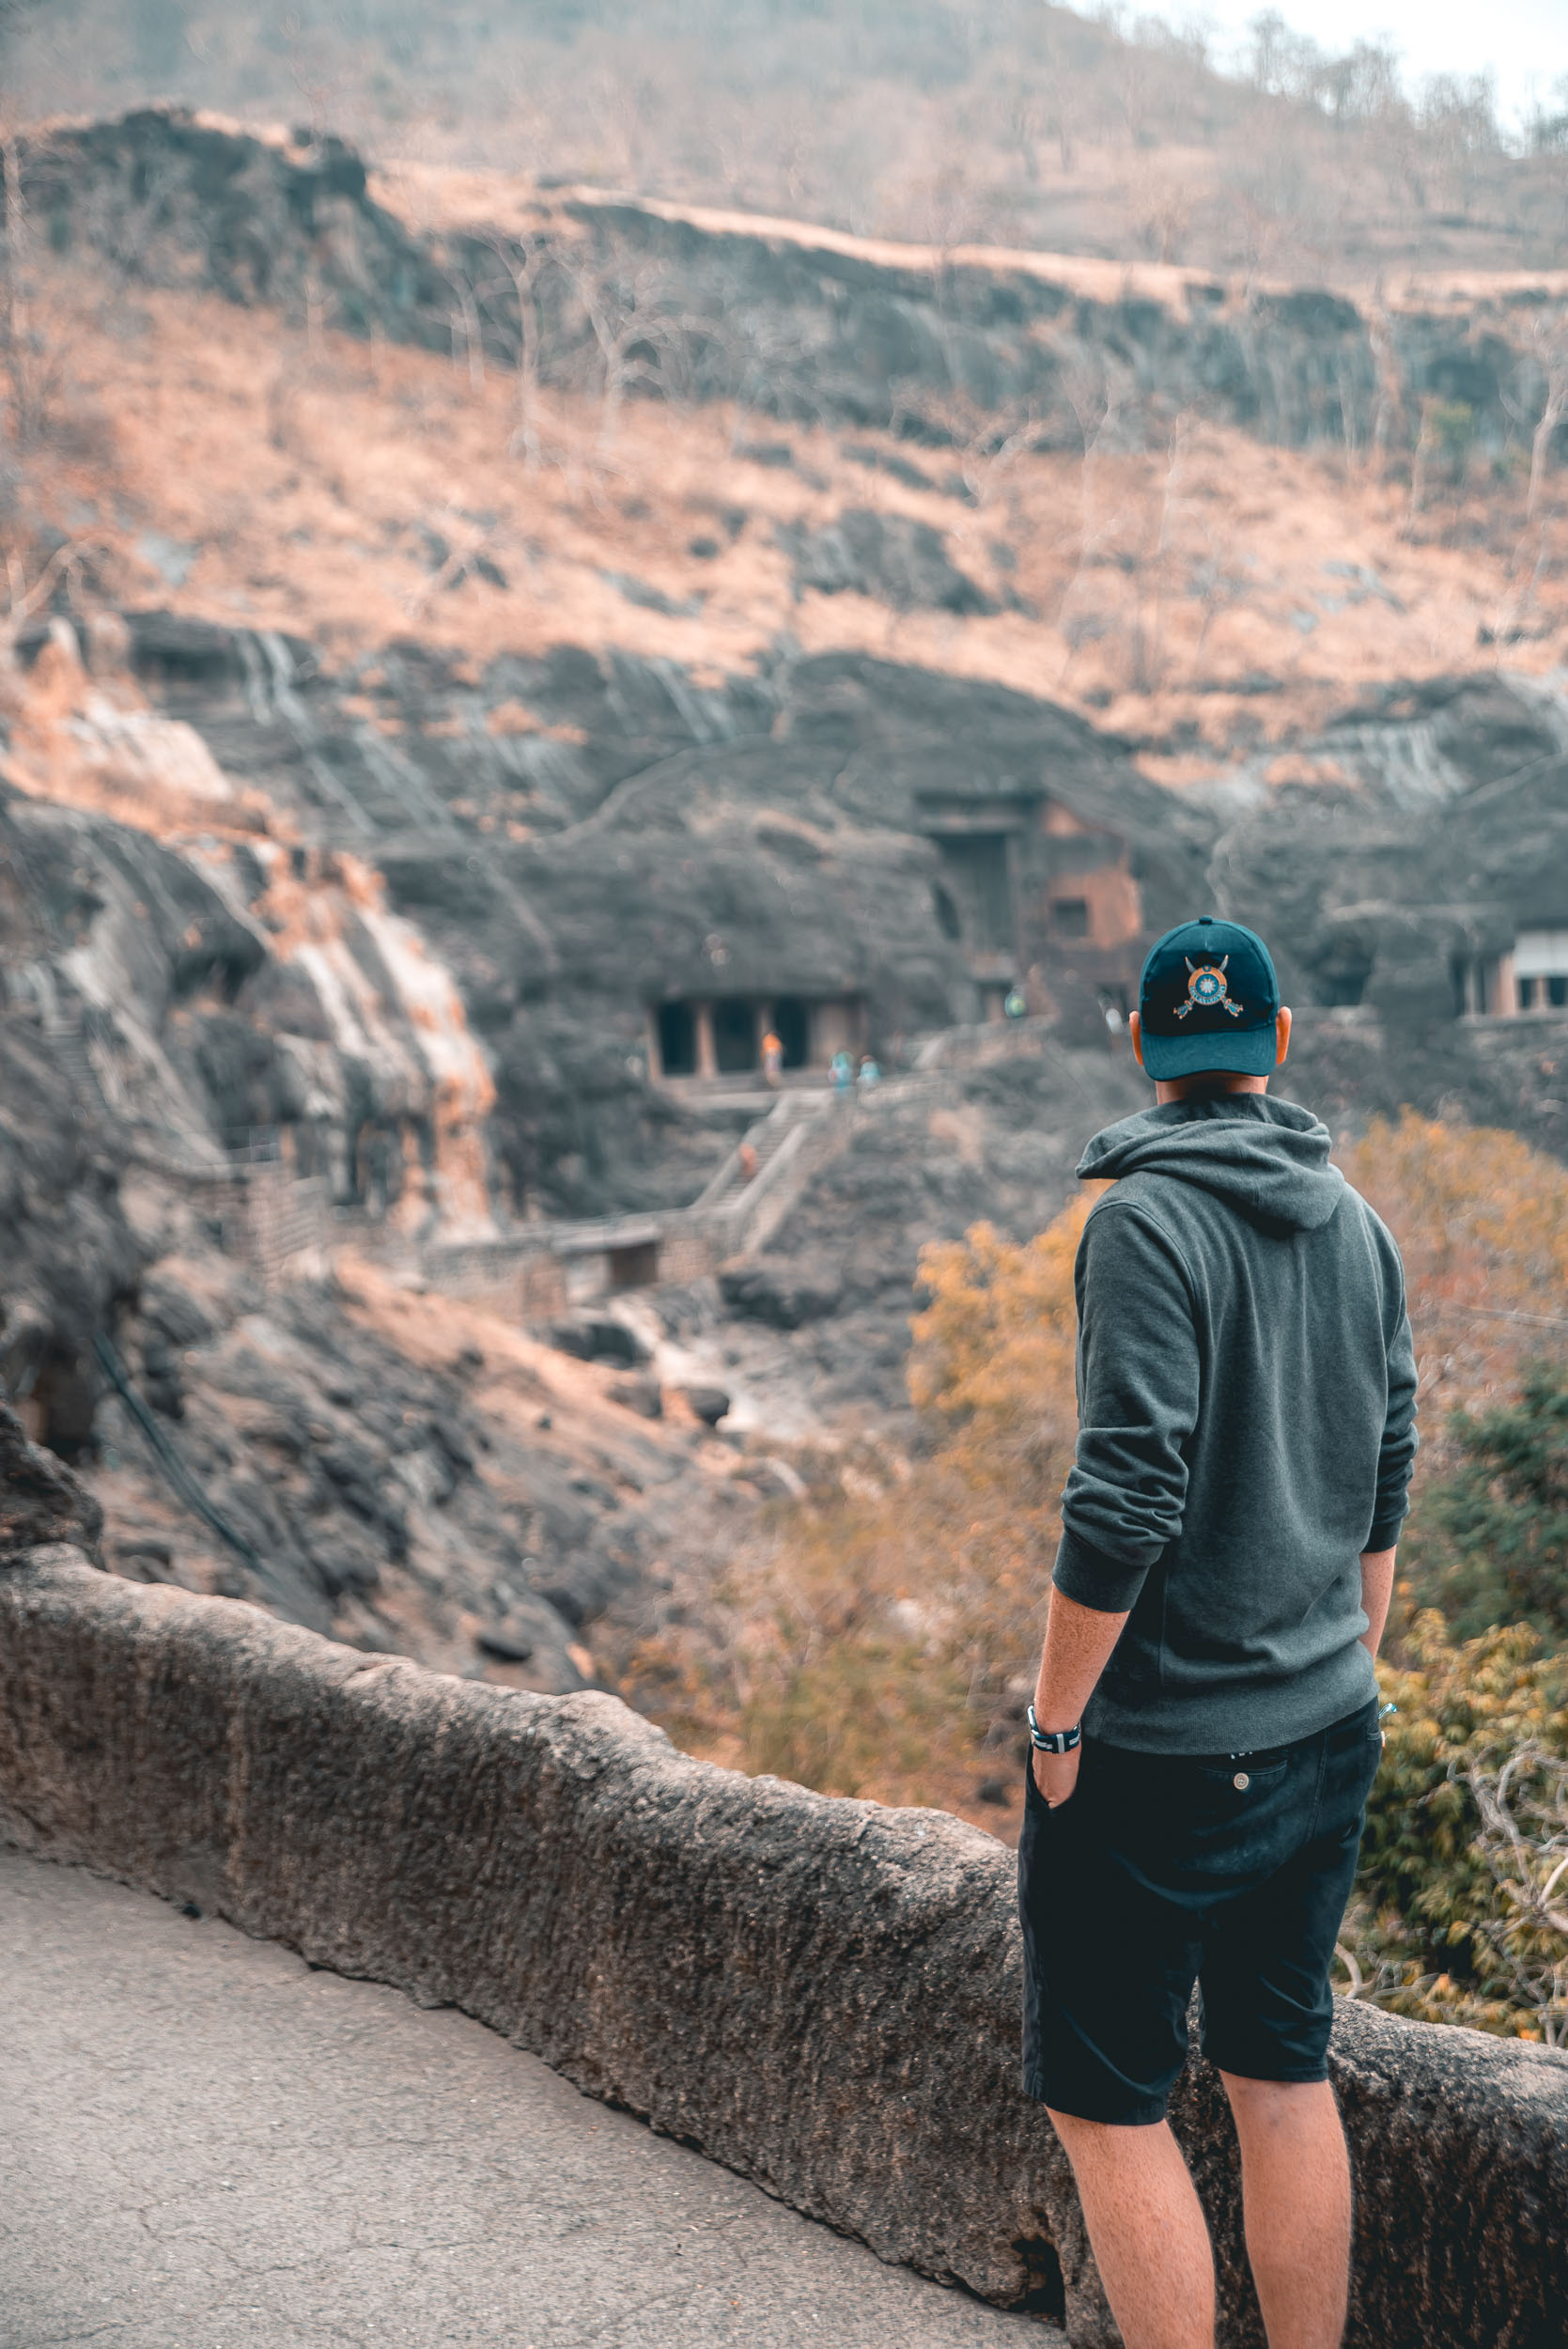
(1094, 1578)
(1385, 1534)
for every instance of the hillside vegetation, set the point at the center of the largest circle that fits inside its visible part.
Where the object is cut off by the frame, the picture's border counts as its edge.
(939, 122)
(1184, 583)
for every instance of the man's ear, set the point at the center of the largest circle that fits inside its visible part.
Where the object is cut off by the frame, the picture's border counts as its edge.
(1282, 1030)
(1135, 1029)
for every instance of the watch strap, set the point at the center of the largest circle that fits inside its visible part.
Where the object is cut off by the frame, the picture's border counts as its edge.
(1053, 1740)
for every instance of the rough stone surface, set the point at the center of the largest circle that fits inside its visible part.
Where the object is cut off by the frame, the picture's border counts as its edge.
(821, 1992)
(710, 1404)
(279, 2158)
(905, 563)
(40, 1500)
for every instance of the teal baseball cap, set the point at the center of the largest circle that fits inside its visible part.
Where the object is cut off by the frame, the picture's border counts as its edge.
(1209, 998)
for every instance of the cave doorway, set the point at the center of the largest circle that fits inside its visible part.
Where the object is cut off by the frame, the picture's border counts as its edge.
(734, 1037)
(635, 1265)
(678, 1040)
(977, 865)
(61, 1405)
(946, 912)
(792, 1026)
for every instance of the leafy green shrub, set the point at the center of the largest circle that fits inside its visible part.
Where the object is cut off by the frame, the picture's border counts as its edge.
(1459, 1915)
(1489, 1543)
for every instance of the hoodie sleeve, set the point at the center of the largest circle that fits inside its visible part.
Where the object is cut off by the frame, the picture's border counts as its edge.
(1138, 1389)
(1397, 1454)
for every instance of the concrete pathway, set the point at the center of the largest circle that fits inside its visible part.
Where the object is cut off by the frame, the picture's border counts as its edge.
(205, 2145)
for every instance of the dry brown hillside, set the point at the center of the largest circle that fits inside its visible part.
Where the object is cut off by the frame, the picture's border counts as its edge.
(1202, 595)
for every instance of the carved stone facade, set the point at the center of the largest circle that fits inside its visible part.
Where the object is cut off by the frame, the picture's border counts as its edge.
(1041, 895)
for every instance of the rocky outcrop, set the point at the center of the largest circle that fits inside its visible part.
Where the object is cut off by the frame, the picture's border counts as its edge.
(40, 1500)
(70, 1255)
(172, 198)
(821, 1992)
(803, 321)
(901, 563)
(560, 842)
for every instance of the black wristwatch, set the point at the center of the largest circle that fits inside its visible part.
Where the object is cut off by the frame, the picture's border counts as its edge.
(1051, 1740)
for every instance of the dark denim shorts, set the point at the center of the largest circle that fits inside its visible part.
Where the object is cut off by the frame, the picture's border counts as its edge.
(1231, 1870)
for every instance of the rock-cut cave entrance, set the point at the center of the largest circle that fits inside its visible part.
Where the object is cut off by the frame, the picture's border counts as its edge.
(678, 1040)
(721, 1036)
(792, 1026)
(633, 1266)
(735, 1036)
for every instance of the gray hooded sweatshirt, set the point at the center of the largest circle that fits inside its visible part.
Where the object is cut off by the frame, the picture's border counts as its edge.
(1247, 1405)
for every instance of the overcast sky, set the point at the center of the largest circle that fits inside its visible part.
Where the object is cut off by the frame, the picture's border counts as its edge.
(1523, 42)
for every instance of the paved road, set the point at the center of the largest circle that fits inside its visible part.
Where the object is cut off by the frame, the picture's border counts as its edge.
(205, 2145)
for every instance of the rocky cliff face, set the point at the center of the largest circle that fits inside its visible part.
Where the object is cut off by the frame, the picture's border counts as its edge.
(430, 948)
(200, 1008)
(804, 322)
(639, 838)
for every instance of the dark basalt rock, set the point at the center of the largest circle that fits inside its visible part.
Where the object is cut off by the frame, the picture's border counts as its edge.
(640, 1395)
(784, 1293)
(580, 1587)
(40, 1500)
(709, 1404)
(509, 1645)
(900, 561)
(601, 1340)
(822, 332)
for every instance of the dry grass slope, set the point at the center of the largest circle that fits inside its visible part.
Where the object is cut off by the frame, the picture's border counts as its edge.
(216, 458)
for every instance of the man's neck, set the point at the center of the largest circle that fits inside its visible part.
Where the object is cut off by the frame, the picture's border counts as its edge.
(1218, 1080)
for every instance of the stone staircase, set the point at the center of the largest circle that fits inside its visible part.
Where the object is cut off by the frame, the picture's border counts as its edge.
(763, 1152)
(67, 1050)
(802, 1133)
(541, 1268)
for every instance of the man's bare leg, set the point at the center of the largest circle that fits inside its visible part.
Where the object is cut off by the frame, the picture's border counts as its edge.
(1296, 2198)
(1147, 2229)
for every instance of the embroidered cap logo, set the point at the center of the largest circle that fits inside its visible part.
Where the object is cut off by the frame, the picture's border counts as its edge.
(1206, 989)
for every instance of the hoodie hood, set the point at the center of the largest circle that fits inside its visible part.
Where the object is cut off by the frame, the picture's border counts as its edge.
(1268, 1159)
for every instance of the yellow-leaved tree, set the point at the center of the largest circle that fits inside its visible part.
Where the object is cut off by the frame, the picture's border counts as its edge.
(1481, 1222)
(906, 1598)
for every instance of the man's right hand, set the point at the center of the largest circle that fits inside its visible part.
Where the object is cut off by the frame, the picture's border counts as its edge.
(1055, 1774)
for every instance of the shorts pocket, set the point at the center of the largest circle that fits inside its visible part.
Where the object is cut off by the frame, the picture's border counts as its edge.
(1233, 1821)
(1240, 1780)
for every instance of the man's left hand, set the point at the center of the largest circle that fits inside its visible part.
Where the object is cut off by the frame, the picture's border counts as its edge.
(1055, 1774)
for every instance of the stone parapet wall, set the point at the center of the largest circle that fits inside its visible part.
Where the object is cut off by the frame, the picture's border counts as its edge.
(689, 1250)
(822, 1994)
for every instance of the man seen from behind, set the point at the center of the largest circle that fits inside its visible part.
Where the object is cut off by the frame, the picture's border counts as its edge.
(1206, 1721)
